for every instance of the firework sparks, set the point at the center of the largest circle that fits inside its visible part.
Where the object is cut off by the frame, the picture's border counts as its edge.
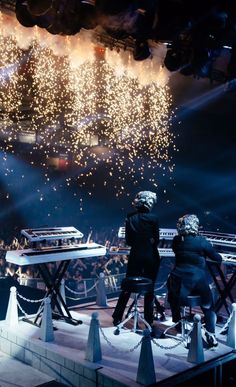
(106, 114)
(132, 125)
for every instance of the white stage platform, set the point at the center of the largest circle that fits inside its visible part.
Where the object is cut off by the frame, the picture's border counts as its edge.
(64, 358)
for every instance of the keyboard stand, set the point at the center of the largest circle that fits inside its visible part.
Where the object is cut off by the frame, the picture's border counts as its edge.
(53, 282)
(224, 292)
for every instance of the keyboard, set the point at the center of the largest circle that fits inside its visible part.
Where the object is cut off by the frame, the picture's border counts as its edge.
(49, 234)
(53, 254)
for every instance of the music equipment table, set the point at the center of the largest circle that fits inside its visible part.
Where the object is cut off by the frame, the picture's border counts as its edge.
(63, 254)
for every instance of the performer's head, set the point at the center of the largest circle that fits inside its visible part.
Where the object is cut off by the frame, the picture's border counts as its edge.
(188, 224)
(145, 200)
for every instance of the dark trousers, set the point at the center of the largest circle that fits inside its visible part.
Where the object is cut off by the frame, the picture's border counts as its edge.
(123, 300)
(181, 287)
(139, 268)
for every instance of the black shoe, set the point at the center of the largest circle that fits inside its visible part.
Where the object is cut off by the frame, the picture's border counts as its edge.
(163, 317)
(225, 331)
(160, 309)
(160, 313)
(211, 340)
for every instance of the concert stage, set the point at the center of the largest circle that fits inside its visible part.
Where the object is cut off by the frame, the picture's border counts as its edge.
(64, 358)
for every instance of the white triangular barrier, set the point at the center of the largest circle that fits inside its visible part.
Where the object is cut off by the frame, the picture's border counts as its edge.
(146, 370)
(195, 353)
(101, 299)
(231, 336)
(12, 309)
(93, 349)
(46, 328)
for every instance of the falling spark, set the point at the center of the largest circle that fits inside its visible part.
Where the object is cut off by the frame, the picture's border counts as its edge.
(132, 124)
(107, 115)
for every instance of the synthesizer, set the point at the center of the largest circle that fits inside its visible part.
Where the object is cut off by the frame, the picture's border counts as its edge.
(165, 233)
(51, 234)
(126, 250)
(215, 238)
(54, 253)
(229, 259)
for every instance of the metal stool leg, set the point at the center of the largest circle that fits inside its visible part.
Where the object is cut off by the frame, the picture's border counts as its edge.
(184, 329)
(136, 315)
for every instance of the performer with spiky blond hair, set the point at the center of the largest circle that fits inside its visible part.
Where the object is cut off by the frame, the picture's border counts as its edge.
(142, 234)
(189, 274)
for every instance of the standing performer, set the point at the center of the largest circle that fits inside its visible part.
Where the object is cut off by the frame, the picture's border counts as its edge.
(189, 275)
(142, 234)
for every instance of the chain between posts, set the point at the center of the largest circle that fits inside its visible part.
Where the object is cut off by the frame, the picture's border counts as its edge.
(21, 309)
(74, 292)
(140, 342)
(114, 348)
(28, 300)
(166, 347)
(175, 345)
(24, 312)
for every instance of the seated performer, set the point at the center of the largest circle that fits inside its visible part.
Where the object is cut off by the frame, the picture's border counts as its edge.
(189, 275)
(142, 234)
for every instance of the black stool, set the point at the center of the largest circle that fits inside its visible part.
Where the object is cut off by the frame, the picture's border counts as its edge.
(159, 310)
(136, 285)
(190, 302)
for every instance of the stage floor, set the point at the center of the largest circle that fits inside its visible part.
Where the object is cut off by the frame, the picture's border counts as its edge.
(64, 358)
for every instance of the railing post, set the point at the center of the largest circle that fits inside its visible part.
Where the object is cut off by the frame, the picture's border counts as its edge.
(146, 370)
(195, 353)
(93, 349)
(231, 336)
(12, 309)
(46, 328)
(101, 291)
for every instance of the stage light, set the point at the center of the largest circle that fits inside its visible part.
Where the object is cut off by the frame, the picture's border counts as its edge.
(44, 21)
(62, 20)
(144, 20)
(23, 15)
(38, 7)
(141, 50)
(173, 60)
(88, 14)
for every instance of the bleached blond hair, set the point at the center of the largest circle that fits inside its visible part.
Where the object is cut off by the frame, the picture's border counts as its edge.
(145, 199)
(188, 224)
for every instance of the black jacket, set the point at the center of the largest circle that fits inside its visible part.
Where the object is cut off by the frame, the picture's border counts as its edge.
(190, 271)
(192, 251)
(142, 234)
